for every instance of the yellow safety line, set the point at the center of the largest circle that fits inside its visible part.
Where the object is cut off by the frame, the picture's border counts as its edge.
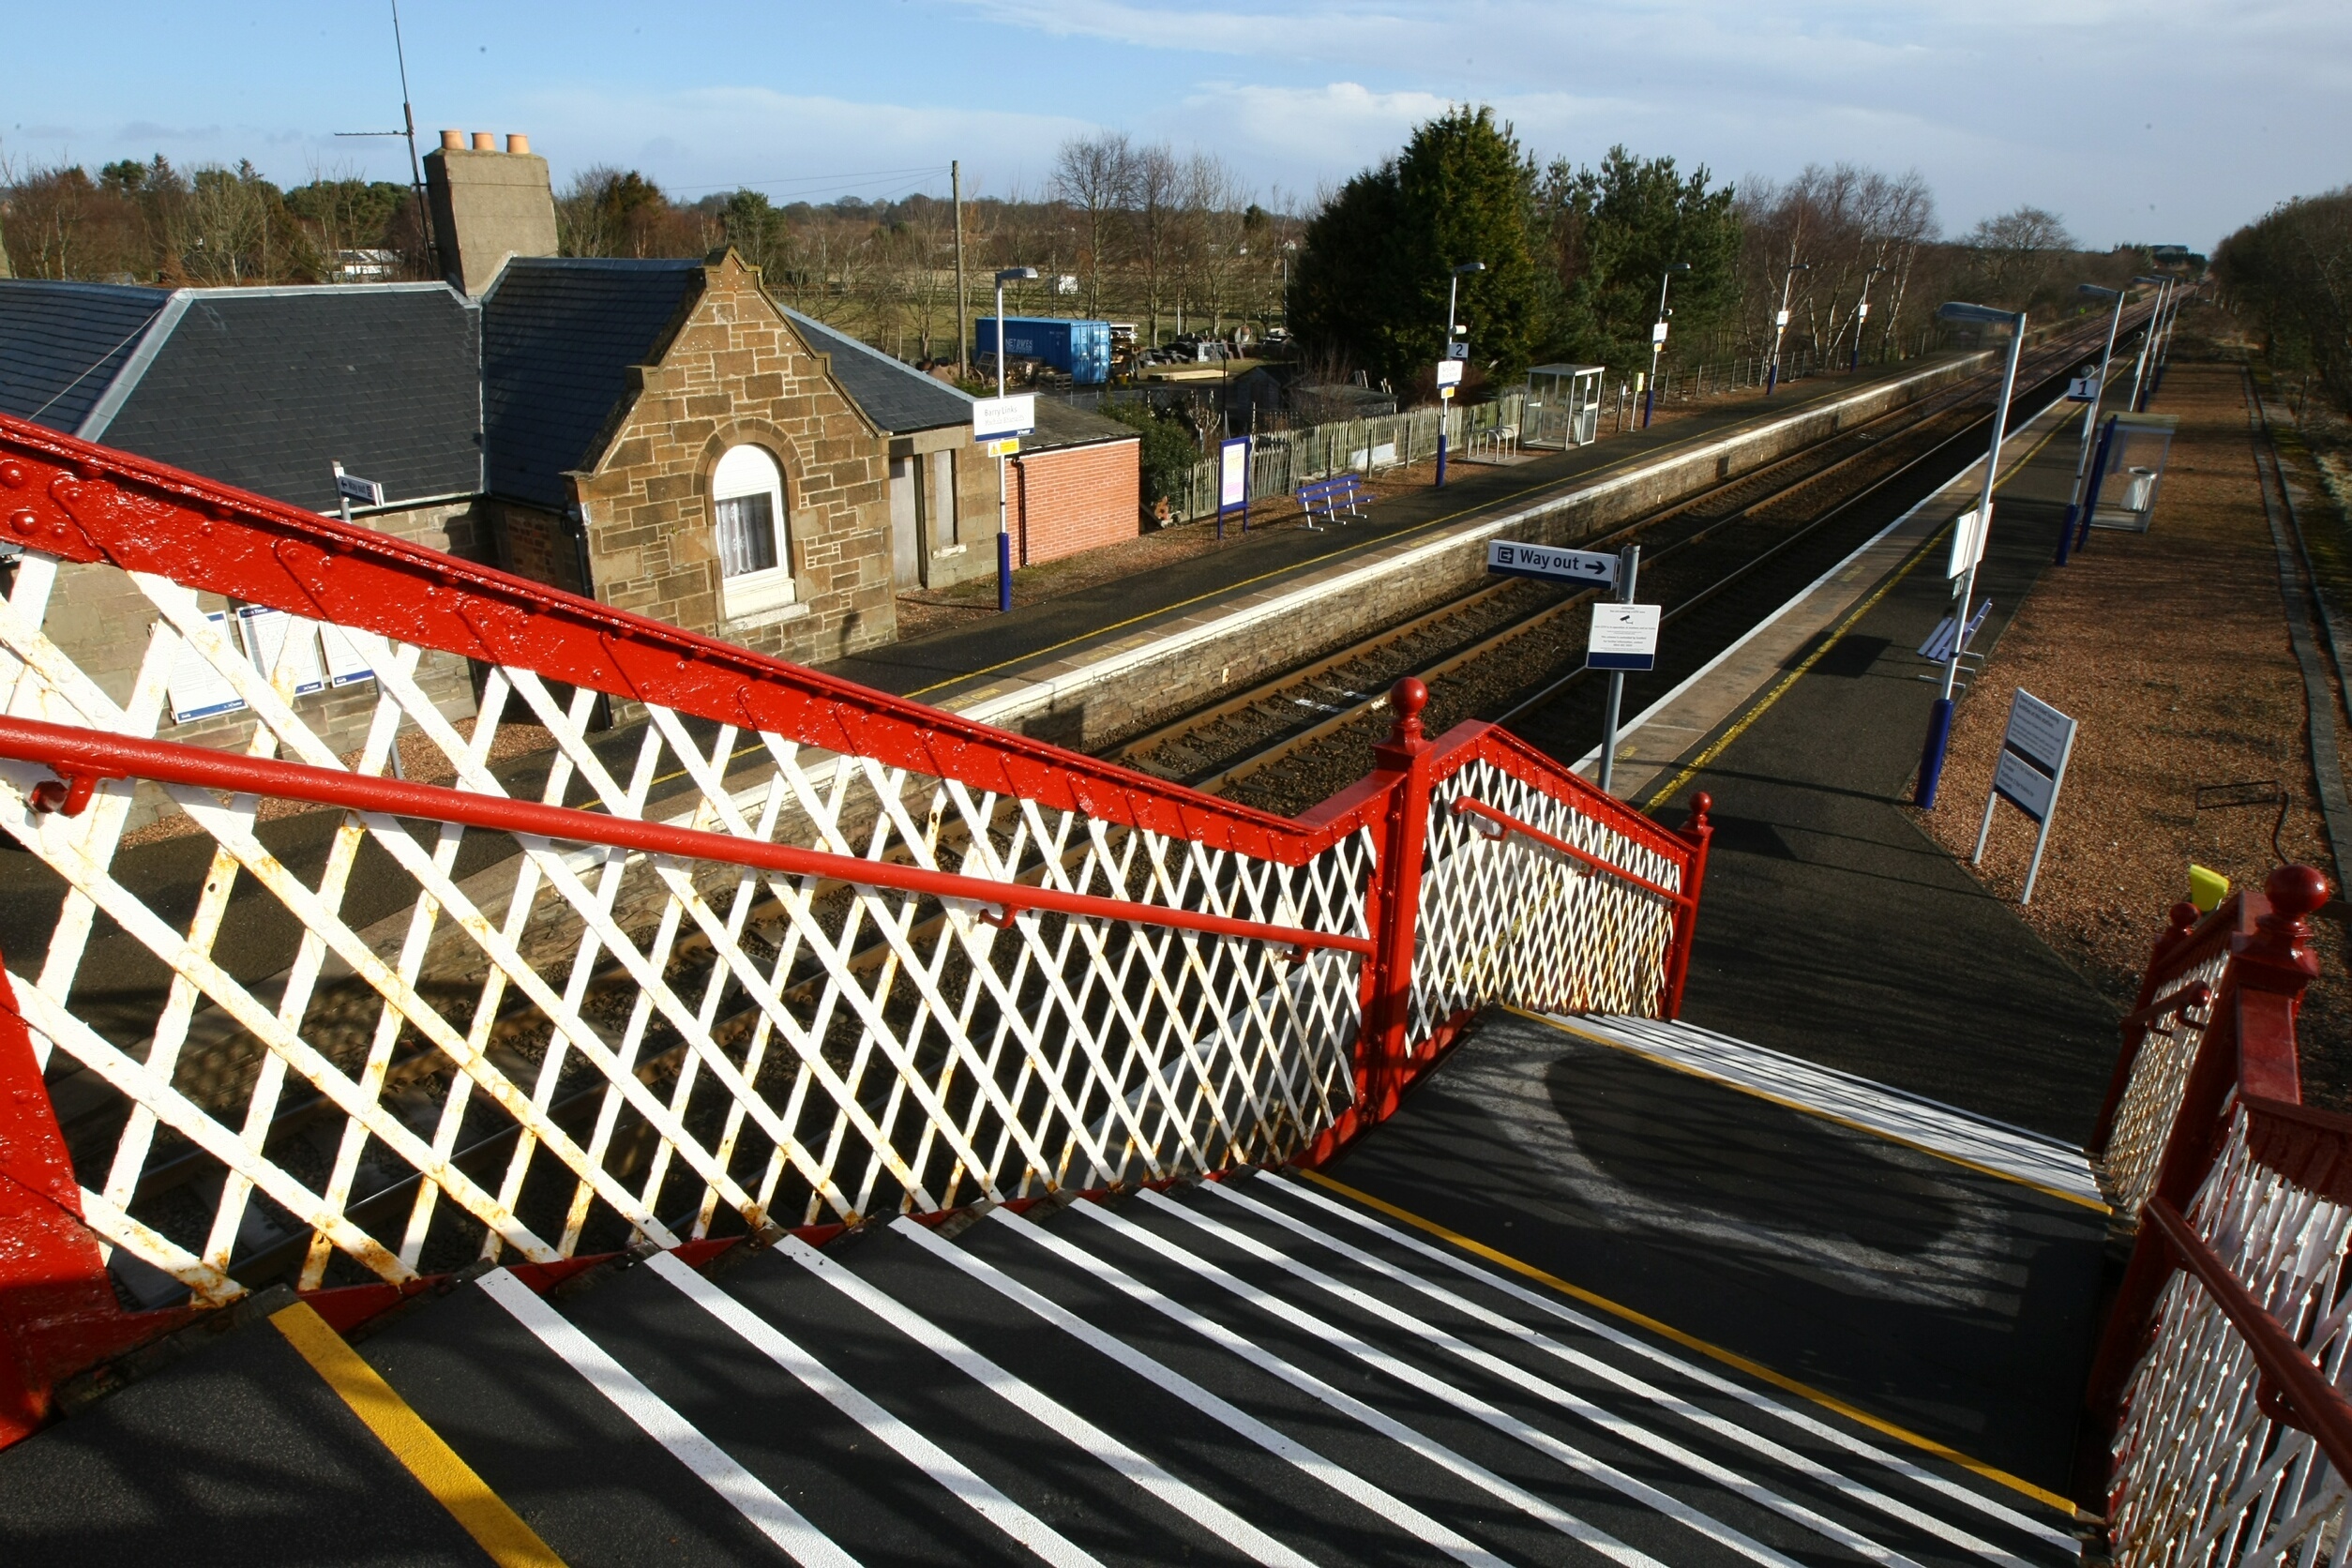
(1567, 1027)
(1723, 741)
(498, 1530)
(1224, 589)
(1691, 1342)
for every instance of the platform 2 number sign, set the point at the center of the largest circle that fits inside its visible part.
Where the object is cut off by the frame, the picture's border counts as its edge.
(2028, 773)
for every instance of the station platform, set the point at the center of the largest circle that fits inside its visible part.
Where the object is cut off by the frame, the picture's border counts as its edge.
(1834, 929)
(951, 668)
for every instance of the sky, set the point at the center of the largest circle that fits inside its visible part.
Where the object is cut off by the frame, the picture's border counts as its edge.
(2152, 122)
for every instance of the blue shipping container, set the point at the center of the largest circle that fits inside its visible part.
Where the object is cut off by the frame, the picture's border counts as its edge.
(1080, 348)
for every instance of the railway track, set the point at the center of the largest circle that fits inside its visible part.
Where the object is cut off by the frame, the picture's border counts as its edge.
(1514, 650)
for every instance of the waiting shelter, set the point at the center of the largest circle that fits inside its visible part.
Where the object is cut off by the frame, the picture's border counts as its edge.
(1563, 406)
(2130, 470)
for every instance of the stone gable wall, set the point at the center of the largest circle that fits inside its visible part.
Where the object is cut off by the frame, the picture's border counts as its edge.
(737, 373)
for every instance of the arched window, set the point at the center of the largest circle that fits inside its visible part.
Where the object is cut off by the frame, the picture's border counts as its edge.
(755, 555)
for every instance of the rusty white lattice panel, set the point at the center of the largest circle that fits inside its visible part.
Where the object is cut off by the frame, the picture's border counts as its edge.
(2152, 1096)
(1515, 923)
(2202, 1475)
(353, 1046)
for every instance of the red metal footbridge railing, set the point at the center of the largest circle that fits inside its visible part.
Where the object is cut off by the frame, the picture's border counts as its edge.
(2217, 1426)
(504, 925)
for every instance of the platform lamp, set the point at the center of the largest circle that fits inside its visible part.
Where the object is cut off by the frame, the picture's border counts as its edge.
(2147, 339)
(1453, 297)
(2090, 415)
(1862, 318)
(1657, 342)
(1780, 322)
(2181, 289)
(1003, 503)
(1931, 761)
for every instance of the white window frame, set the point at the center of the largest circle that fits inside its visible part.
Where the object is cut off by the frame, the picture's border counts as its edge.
(743, 471)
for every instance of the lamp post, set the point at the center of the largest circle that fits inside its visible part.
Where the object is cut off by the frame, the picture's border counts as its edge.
(1004, 501)
(1445, 394)
(2163, 347)
(1780, 322)
(2090, 415)
(2148, 338)
(1930, 761)
(1657, 341)
(1862, 319)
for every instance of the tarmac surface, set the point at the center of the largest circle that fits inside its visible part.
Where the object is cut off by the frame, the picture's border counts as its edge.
(946, 664)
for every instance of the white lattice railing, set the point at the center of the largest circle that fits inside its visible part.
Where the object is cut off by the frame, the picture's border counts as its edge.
(775, 951)
(2221, 1381)
(2206, 1468)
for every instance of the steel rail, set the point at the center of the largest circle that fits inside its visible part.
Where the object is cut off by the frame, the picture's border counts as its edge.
(1764, 558)
(1465, 806)
(81, 757)
(2292, 1390)
(1920, 413)
(1267, 690)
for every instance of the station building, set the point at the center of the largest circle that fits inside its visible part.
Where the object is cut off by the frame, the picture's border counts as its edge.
(661, 435)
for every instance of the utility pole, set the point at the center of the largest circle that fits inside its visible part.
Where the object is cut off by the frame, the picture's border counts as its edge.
(964, 325)
(2090, 415)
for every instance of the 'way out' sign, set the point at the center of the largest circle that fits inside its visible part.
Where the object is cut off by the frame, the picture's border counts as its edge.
(1546, 564)
(2028, 773)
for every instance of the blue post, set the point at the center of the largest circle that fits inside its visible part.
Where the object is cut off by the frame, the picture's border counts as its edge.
(1772, 378)
(1003, 571)
(2090, 496)
(1649, 403)
(1440, 485)
(1931, 760)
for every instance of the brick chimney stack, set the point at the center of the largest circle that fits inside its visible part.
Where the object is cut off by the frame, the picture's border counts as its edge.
(488, 205)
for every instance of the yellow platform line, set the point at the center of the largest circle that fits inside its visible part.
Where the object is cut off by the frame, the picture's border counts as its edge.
(1661, 451)
(1723, 742)
(496, 1527)
(1692, 1342)
(1672, 1065)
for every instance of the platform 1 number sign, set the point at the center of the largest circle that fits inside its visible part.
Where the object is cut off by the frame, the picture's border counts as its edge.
(2028, 774)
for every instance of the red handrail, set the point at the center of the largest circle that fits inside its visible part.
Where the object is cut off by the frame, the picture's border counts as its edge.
(2309, 1402)
(1465, 807)
(80, 757)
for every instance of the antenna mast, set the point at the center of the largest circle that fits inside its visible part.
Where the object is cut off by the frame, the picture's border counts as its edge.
(408, 120)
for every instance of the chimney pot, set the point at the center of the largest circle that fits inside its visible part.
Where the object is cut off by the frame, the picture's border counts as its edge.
(453, 140)
(518, 143)
(484, 141)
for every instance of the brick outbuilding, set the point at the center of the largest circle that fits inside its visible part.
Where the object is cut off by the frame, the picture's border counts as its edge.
(1076, 485)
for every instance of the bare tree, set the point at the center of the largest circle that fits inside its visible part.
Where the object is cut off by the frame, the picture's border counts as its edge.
(1097, 176)
(2014, 252)
(1154, 221)
(1212, 202)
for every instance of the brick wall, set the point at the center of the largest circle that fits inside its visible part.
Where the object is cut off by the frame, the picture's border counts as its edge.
(735, 372)
(1075, 498)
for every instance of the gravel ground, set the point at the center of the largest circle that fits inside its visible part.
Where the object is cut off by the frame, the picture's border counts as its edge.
(2171, 651)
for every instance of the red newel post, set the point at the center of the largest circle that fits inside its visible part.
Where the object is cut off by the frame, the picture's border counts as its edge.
(1389, 978)
(2249, 1046)
(1701, 832)
(53, 1288)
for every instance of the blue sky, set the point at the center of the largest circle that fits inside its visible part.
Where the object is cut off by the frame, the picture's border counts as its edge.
(2158, 122)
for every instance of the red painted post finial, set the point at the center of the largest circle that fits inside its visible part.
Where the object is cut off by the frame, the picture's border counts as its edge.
(1701, 803)
(1407, 698)
(2279, 944)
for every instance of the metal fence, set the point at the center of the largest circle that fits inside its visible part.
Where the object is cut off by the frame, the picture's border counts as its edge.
(787, 953)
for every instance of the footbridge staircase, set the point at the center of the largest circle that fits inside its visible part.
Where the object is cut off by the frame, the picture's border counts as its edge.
(671, 1106)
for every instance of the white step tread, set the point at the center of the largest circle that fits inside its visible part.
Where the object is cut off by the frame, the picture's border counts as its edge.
(1996, 1147)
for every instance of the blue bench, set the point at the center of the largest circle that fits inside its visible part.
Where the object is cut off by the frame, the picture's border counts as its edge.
(1330, 495)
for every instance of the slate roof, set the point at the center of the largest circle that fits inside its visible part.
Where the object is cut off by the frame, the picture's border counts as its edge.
(894, 394)
(266, 388)
(559, 335)
(1059, 424)
(62, 343)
